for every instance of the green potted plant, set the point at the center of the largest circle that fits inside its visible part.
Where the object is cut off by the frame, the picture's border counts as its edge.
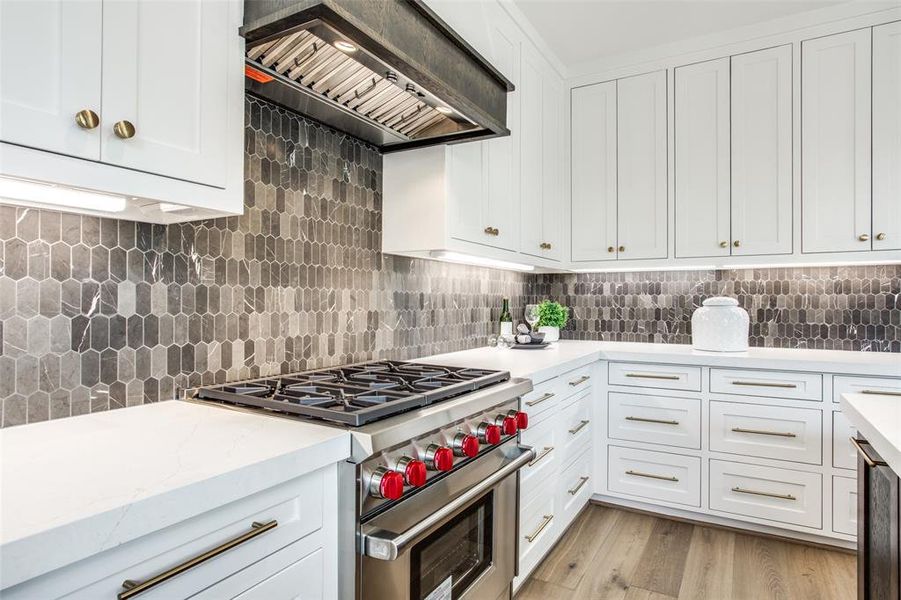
(552, 316)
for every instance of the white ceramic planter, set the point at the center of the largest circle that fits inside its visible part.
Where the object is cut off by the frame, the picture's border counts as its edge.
(720, 325)
(551, 334)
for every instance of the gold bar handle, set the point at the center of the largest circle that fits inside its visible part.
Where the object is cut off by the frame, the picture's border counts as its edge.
(871, 462)
(547, 521)
(133, 588)
(646, 420)
(739, 490)
(580, 380)
(766, 384)
(579, 427)
(651, 475)
(651, 376)
(880, 392)
(787, 434)
(546, 396)
(547, 450)
(582, 481)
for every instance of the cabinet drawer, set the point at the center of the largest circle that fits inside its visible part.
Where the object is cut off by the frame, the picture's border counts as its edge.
(539, 402)
(575, 381)
(654, 419)
(666, 377)
(544, 465)
(537, 531)
(777, 432)
(844, 454)
(574, 487)
(864, 385)
(767, 493)
(770, 384)
(844, 505)
(575, 427)
(657, 475)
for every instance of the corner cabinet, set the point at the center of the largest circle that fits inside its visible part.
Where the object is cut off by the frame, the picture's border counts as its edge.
(140, 99)
(619, 169)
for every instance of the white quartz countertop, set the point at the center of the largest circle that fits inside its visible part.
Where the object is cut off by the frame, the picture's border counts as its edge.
(566, 354)
(878, 418)
(78, 486)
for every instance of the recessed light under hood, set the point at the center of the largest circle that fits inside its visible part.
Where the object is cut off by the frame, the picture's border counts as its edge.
(390, 72)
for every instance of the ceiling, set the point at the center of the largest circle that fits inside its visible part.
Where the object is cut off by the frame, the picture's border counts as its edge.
(580, 31)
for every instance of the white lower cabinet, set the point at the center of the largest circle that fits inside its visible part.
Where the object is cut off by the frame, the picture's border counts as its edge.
(654, 419)
(777, 432)
(663, 476)
(575, 489)
(844, 454)
(844, 505)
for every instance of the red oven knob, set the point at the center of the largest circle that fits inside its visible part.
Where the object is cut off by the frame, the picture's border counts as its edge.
(507, 424)
(439, 458)
(522, 419)
(386, 484)
(414, 471)
(466, 445)
(489, 434)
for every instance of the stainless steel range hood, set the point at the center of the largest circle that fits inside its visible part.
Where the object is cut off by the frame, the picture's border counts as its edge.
(390, 72)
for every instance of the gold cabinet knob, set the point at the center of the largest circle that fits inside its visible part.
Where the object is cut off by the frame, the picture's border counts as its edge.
(492, 230)
(124, 129)
(737, 244)
(87, 119)
(544, 246)
(724, 244)
(622, 248)
(863, 237)
(880, 236)
(611, 249)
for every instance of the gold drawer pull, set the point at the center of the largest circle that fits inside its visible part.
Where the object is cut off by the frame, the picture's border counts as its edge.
(880, 392)
(582, 481)
(547, 450)
(579, 427)
(766, 384)
(787, 434)
(546, 396)
(133, 588)
(580, 380)
(650, 376)
(739, 490)
(547, 521)
(645, 420)
(651, 475)
(871, 462)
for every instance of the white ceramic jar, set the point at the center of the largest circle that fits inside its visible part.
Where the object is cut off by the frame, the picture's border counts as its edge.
(720, 325)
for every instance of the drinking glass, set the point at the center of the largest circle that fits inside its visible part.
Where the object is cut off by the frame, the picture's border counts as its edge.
(531, 315)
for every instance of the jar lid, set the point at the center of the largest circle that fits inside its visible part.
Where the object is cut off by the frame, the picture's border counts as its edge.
(720, 301)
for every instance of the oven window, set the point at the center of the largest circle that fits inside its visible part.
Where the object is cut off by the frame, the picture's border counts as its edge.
(460, 551)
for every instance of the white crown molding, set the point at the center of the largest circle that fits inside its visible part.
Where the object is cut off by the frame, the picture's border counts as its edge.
(535, 37)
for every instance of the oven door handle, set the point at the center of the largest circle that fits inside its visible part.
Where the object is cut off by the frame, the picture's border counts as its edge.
(387, 545)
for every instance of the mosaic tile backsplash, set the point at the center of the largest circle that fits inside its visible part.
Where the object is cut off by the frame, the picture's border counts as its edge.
(99, 313)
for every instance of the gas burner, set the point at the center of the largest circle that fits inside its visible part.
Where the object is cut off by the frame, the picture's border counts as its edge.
(357, 394)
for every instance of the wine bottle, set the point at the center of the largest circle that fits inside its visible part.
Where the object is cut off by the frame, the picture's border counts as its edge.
(506, 320)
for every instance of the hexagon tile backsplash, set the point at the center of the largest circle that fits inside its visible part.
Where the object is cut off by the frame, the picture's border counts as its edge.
(99, 313)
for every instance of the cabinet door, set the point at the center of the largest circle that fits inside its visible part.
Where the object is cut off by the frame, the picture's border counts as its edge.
(501, 154)
(762, 152)
(531, 143)
(702, 159)
(641, 166)
(50, 70)
(835, 143)
(165, 68)
(887, 137)
(552, 168)
(593, 167)
(467, 194)
(878, 547)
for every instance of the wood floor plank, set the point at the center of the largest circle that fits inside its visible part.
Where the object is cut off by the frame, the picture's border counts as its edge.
(616, 558)
(568, 561)
(708, 567)
(760, 569)
(637, 593)
(662, 564)
(535, 589)
(819, 573)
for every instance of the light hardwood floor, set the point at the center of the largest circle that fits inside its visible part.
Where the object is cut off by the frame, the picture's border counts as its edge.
(612, 554)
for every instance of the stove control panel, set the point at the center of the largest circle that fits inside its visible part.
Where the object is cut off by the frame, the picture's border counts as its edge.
(413, 464)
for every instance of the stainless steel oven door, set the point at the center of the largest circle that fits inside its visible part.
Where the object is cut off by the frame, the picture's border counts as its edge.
(456, 539)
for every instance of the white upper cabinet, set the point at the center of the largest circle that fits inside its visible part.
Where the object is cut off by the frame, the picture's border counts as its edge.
(702, 159)
(762, 152)
(466, 189)
(165, 67)
(552, 203)
(641, 167)
(50, 53)
(887, 137)
(531, 140)
(593, 217)
(835, 142)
